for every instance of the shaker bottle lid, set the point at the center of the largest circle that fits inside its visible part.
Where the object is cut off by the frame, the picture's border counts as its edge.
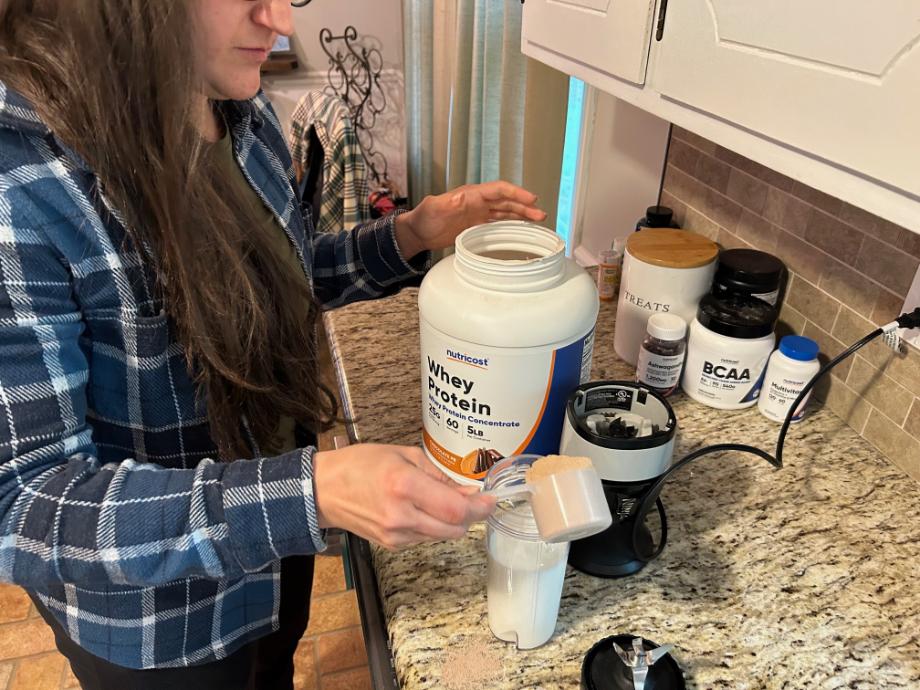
(659, 216)
(799, 347)
(666, 327)
(749, 269)
(603, 669)
(672, 248)
(737, 317)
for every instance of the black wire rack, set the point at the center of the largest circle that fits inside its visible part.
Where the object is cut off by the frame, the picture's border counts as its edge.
(354, 77)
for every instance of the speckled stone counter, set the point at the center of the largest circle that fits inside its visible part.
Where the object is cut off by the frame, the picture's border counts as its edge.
(805, 577)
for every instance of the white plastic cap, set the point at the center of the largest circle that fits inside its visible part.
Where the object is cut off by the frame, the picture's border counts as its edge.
(667, 327)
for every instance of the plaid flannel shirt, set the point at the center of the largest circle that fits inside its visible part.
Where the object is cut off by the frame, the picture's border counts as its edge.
(148, 552)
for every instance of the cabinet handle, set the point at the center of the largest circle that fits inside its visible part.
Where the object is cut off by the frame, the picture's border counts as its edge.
(662, 12)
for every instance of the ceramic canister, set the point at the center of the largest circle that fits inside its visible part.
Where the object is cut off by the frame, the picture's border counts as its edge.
(664, 271)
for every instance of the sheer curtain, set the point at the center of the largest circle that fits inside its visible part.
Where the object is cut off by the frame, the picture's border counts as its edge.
(477, 109)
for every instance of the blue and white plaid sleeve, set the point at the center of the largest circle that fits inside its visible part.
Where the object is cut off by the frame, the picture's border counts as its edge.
(65, 517)
(363, 263)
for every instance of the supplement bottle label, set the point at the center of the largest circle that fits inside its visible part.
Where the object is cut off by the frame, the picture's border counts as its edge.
(780, 395)
(659, 371)
(481, 403)
(730, 380)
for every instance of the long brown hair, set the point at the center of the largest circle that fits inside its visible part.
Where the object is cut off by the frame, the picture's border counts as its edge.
(114, 79)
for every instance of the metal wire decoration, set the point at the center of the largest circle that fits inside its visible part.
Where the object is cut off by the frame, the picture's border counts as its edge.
(354, 76)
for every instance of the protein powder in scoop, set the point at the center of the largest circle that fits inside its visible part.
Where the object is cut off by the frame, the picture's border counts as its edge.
(730, 342)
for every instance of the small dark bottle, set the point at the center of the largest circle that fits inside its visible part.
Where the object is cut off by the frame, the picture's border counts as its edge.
(657, 217)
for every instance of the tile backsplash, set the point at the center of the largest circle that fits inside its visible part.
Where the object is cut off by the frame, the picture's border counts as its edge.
(849, 273)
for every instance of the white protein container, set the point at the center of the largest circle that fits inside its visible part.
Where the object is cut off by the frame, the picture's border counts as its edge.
(730, 343)
(664, 271)
(789, 370)
(507, 332)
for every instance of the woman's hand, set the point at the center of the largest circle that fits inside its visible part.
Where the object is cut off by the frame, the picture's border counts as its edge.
(393, 496)
(437, 220)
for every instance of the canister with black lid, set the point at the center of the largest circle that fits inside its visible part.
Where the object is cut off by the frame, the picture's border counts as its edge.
(730, 343)
(751, 273)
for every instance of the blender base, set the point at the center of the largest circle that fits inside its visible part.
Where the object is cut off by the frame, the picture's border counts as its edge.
(610, 554)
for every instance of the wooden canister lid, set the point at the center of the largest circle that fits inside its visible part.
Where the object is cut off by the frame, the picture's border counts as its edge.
(671, 248)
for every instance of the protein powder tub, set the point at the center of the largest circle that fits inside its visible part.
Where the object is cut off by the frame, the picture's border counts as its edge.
(750, 273)
(729, 346)
(507, 332)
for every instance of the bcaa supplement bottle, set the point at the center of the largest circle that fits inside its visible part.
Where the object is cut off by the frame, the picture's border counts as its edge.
(507, 332)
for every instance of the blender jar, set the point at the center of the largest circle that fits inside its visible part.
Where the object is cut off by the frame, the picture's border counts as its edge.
(525, 573)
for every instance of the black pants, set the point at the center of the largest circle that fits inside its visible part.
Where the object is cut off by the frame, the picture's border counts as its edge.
(265, 664)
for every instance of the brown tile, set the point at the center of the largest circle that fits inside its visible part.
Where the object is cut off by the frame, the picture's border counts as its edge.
(912, 425)
(713, 173)
(695, 140)
(899, 446)
(879, 390)
(683, 156)
(758, 231)
(39, 673)
(909, 241)
(328, 575)
(728, 240)
(720, 208)
(70, 680)
(676, 205)
(794, 320)
(700, 224)
(747, 190)
(333, 612)
(25, 638)
(905, 367)
(356, 679)
(341, 650)
(776, 179)
(14, 604)
(886, 231)
(887, 307)
(851, 327)
(818, 199)
(6, 672)
(795, 215)
(682, 186)
(305, 676)
(849, 287)
(892, 268)
(775, 205)
(830, 348)
(800, 257)
(836, 238)
(847, 405)
(859, 219)
(817, 306)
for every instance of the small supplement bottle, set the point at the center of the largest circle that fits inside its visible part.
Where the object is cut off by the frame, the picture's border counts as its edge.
(661, 357)
(789, 370)
(609, 269)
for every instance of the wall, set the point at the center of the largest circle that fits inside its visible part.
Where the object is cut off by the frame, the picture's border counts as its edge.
(850, 272)
(379, 24)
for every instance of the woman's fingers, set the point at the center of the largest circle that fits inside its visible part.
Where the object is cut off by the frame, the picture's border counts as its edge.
(517, 210)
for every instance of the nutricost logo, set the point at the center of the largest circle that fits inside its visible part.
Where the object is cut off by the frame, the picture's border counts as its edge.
(467, 359)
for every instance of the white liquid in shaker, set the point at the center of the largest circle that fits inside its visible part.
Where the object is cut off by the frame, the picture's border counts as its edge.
(524, 589)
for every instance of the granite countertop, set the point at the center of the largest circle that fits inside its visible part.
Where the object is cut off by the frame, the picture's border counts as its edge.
(805, 577)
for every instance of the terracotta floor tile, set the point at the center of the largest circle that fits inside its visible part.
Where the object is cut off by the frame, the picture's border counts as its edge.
(333, 612)
(356, 679)
(14, 603)
(6, 672)
(305, 666)
(329, 576)
(25, 638)
(39, 673)
(341, 650)
(70, 680)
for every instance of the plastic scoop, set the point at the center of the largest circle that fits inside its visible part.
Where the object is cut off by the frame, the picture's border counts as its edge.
(566, 496)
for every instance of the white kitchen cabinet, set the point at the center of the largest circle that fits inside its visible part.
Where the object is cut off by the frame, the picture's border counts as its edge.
(610, 37)
(837, 79)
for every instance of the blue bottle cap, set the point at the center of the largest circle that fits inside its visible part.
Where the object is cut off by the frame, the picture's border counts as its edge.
(799, 347)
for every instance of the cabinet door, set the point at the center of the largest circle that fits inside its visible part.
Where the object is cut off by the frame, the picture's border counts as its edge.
(837, 79)
(610, 36)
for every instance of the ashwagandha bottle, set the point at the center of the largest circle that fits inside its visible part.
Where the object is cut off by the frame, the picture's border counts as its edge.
(661, 356)
(507, 332)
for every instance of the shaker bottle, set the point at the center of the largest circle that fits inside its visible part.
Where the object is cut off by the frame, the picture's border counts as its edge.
(525, 573)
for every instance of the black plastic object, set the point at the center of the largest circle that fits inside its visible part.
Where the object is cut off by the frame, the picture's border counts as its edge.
(749, 273)
(657, 217)
(737, 317)
(603, 669)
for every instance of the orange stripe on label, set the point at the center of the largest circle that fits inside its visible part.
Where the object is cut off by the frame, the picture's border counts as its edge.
(469, 364)
(536, 424)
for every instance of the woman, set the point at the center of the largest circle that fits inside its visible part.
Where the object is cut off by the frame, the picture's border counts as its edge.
(160, 489)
